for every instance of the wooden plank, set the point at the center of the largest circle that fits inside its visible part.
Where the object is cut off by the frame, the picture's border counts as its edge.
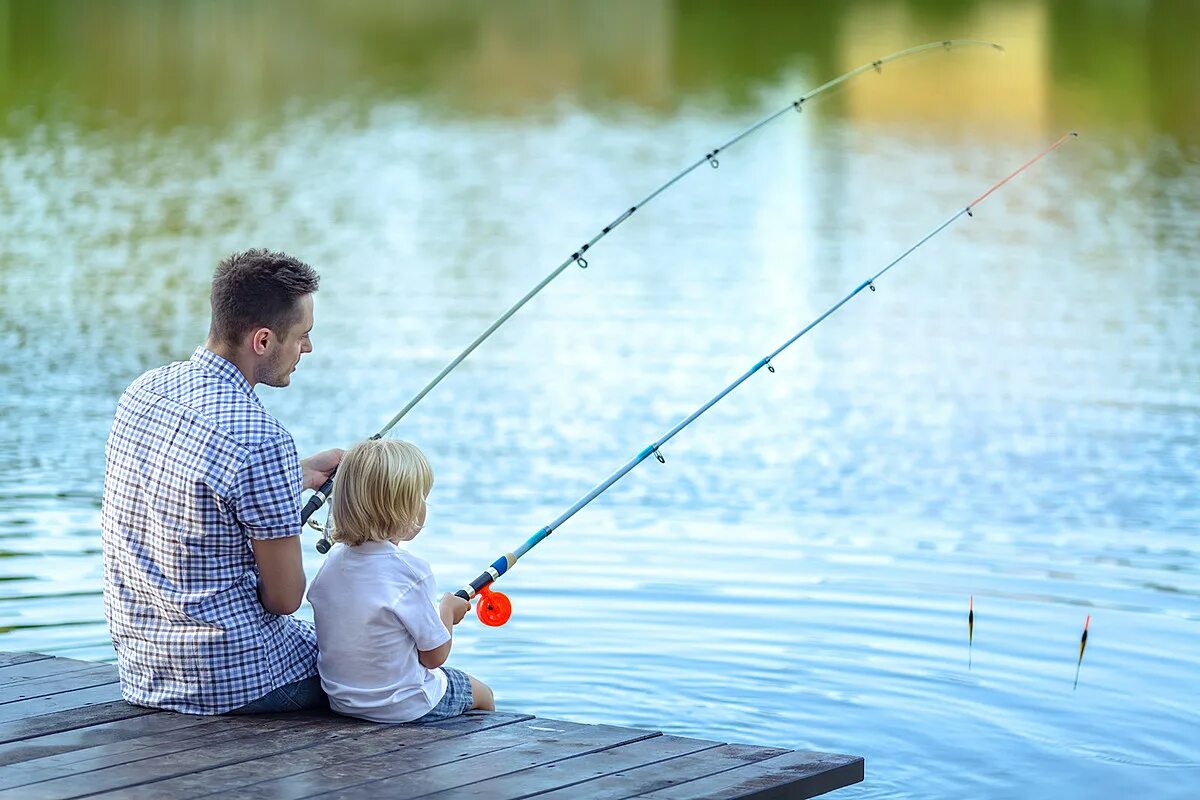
(63, 701)
(629, 783)
(244, 738)
(8, 659)
(797, 774)
(576, 772)
(442, 750)
(378, 739)
(45, 667)
(204, 732)
(54, 684)
(95, 735)
(70, 719)
(473, 721)
(545, 742)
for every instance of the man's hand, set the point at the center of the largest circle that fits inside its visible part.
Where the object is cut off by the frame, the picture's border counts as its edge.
(454, 607)
(318, 468)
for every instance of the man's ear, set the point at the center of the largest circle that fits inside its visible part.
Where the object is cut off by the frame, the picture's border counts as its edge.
(259, 340)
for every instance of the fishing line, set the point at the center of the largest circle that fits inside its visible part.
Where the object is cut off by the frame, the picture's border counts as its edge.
(495, 609)
(578, 256)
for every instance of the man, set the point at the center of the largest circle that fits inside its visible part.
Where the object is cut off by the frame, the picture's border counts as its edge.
(201, 517)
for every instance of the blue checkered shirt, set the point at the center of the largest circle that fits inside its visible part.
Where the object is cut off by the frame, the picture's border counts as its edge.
(194, 469)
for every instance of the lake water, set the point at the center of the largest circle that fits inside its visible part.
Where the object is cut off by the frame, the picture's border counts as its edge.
(1013, 415)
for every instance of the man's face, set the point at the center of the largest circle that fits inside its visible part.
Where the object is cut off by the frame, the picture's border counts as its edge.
(287, 347)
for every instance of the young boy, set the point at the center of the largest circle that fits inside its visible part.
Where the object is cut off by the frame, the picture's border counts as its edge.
(381, 643)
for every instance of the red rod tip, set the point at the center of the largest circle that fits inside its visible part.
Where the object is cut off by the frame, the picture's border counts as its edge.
(1087, 621)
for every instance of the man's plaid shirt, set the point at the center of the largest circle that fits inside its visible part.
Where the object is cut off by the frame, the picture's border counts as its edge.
(194, 469)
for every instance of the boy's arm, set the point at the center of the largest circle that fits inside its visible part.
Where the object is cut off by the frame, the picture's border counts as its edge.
(452, 609)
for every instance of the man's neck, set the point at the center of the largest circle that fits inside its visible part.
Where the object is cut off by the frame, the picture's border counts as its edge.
(234, 357)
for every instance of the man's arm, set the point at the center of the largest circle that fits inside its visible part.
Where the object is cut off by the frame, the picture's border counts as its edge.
(265, 499)
(281, 573)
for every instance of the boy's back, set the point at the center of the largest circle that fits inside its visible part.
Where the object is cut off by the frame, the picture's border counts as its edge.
(374, 609)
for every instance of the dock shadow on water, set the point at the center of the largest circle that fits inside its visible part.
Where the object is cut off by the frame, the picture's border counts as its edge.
(1012, 416)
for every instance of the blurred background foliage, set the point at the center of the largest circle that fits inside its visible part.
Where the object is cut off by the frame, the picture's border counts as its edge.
(1127, 65)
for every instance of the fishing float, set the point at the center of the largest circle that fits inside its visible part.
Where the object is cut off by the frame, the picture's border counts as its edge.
(321, 495)
(1082, 647)
(495, 608)
(970, 628)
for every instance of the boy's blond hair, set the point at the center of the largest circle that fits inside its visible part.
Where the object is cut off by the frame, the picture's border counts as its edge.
(381, 489)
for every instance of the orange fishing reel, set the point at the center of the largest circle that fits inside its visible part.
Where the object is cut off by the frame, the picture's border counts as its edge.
(493, 608)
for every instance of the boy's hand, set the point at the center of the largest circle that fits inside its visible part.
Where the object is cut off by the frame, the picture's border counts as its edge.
(318, 468)
(453, 606)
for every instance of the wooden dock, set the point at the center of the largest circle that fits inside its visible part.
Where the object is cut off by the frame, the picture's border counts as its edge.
(65, 732)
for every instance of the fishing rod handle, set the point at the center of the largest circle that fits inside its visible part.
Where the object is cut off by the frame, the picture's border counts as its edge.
(318, 499)
(500, 566)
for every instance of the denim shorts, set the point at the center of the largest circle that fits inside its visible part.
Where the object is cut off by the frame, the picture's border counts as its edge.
(299, 696)
(457, 699)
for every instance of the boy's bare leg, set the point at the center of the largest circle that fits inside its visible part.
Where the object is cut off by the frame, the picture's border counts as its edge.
(482, 698)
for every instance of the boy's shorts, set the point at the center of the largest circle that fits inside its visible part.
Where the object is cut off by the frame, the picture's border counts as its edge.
(457, 699)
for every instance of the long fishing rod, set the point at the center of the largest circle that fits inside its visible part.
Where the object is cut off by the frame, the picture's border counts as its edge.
(321, 495)
(495, 609)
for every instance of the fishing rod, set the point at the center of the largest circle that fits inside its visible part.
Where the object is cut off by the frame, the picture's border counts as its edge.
(322, 494)
(495, 608)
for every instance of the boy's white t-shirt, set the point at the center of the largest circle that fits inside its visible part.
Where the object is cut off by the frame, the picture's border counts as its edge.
(374, 609)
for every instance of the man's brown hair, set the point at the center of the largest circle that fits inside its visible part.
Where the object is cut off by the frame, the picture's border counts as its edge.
(258, 289)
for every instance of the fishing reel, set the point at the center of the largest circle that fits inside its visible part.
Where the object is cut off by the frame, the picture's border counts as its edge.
(493, 608)
(324, 543)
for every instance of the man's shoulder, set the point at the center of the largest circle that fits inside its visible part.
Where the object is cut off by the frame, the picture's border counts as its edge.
(185, 390)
